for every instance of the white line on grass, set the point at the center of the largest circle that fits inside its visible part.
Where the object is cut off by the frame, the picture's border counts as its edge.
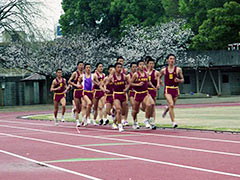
(126, 156)
(137, 133)
(49, 165)
(125, 140)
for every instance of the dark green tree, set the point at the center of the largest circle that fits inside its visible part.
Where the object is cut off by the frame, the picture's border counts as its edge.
(81, 15)
(221, 28)
(171, 9)
(195, 11)
(109, 16)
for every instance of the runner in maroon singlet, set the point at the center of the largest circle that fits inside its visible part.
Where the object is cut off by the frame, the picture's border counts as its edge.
(121, 60)
(120, 87)
(99, 96)
(173, 76)
(77, 90)
(108, 87)
(140, 82)
(131, 92)
(154, 79)
(147, 58)
(59, 87)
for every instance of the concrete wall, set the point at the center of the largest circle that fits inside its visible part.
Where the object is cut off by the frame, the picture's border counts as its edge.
(17, 92)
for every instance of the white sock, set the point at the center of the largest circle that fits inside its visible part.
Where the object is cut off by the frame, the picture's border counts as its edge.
(146, 120)
(151, 120)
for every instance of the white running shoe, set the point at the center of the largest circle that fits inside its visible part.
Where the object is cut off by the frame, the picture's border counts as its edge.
(84, 122)
(114, 126)
(94, 123)
(62, 120)
(78, 123)
(175, 125)
(106, 122)
(164, 112)
(124, 122)
(56, 122)
(135, 125)
(147, 124)
(88, 121)
(120, 128)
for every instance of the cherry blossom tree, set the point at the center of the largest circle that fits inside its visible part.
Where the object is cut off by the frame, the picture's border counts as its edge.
(45, 57)
(156, 41)
(138, 42)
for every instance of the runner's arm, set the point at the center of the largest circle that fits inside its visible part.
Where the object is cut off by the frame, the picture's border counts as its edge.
(180, 74)
(105, 83)
(95, 80)
(150, 83)
(66, 86)
(134, 77)
(157, 75)
(73, 76)
(162, 72)
(128, 84)
(52, 89)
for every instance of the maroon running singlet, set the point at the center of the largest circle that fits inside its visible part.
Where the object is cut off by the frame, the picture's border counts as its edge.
(98, 93)
(58, 95)
(118, 88)
(77, 93)
(152, 78)
(171, 87)
(141, 91)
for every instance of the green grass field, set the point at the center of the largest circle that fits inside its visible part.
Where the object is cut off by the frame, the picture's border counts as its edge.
(210, 118)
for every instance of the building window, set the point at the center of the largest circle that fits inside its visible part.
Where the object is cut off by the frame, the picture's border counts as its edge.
(186, 79)
(225, 78)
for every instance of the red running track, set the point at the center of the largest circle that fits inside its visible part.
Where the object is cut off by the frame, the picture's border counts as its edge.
(33, 150)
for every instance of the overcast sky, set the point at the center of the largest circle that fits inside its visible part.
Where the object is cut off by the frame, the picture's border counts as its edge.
(51, 12)
(51, 9)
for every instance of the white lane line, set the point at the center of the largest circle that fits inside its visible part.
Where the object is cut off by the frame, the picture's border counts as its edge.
(129, 141)
(49, 165)
(128, 132)
(124, 155)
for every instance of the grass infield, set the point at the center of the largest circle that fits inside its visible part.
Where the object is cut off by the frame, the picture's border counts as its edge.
(204, 118)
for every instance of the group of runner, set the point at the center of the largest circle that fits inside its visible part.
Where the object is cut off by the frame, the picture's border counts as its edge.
(109, 95)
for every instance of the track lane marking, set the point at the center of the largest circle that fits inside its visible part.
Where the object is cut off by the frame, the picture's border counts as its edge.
(125, 156)
(147, 134)
(49, 165)
(128, 141)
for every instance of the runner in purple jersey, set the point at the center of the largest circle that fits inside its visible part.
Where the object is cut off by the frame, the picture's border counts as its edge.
(59, 87)
(155, 80)
(99, 95)
(140, 82)
(120, 87)
(173, 76)
(77, 90)
(87, 82)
